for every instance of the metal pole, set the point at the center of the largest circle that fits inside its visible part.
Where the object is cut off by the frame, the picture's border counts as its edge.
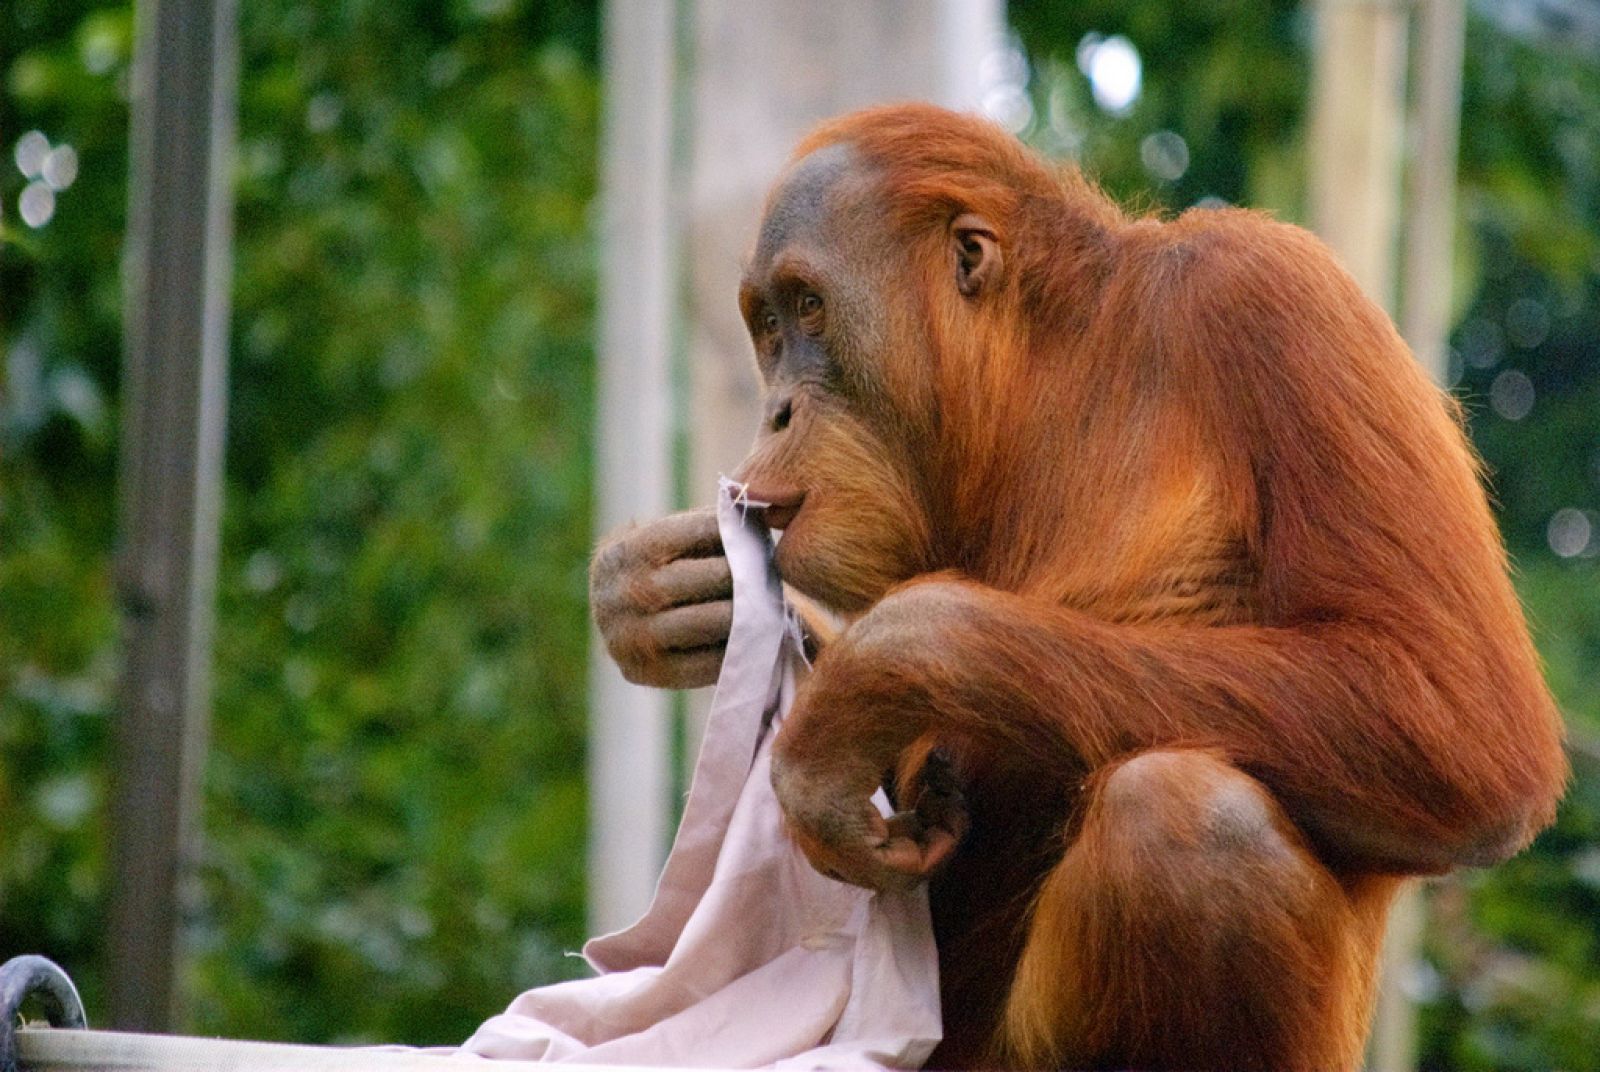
(177, 276)
(630, 727)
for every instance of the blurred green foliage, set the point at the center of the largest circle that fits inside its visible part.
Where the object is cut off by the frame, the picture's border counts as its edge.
(396, 787)
(394, 806)
(394, 795)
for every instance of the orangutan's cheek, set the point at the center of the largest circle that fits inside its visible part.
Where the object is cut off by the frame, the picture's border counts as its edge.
(843, 552)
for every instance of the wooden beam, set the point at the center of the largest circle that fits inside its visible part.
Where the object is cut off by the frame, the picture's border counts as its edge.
(630, 807)
(178, 274)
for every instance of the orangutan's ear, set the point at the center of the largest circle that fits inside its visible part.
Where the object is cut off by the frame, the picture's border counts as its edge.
(977, 254)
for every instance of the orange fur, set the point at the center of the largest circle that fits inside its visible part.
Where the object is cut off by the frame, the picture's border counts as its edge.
(1223, 640)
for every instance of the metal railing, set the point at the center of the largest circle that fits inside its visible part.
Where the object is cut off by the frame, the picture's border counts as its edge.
(67, 1044)
(55, 1050)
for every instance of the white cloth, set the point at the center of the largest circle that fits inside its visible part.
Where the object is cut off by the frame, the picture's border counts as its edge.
(747, 957)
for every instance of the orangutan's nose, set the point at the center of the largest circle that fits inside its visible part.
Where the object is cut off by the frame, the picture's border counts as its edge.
(780, 410)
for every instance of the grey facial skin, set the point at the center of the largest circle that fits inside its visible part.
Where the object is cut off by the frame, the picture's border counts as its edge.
(824, 225)
(798, 209)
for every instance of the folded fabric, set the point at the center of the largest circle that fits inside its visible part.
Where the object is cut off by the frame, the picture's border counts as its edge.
(747, 957)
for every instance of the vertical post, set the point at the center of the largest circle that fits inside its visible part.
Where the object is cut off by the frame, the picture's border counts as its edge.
(765, 72)
(1425, 286)
(177, 274)
(1425, 269)
(969, 32)
(1356, 129)
(1356, 124)
(630, 727)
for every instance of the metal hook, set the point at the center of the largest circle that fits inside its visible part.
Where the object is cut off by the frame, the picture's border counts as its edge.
(21, 977)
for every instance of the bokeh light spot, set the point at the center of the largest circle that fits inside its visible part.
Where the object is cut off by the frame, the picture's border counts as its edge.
(1511, 395)
(262, 571)
(60, 167)
(1527, 323)
(1009, 106)
(1114, 70)
(1165, 155)
(37, 203)
(76, 395)
(1570, 532)
(99, 47)
(30, 152)
(322, 113)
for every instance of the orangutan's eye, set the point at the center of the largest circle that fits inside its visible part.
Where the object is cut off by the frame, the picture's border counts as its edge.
(769, 323)
(809, 309)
